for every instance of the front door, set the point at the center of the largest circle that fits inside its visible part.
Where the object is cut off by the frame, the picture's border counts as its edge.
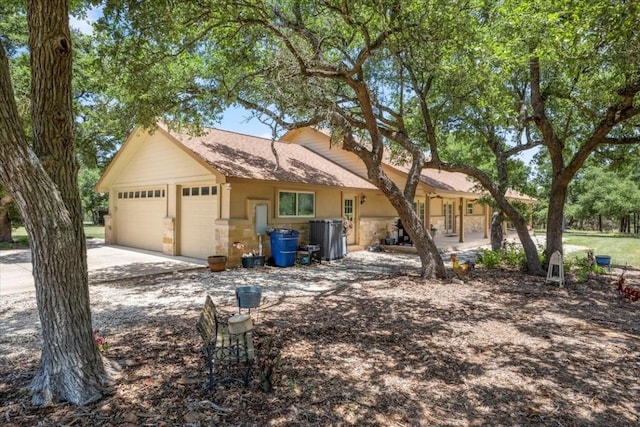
(349, 212)
(448, 217)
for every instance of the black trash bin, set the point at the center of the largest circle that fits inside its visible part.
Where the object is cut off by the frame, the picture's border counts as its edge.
(328, 234)
(284, 245)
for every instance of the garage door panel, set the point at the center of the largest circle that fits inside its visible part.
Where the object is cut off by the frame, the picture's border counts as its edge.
(198, 212)
(139, 220)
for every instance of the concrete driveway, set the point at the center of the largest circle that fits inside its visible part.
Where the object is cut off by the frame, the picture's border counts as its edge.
(105, 263)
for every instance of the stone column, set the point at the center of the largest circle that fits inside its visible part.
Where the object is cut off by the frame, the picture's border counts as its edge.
(168, 236)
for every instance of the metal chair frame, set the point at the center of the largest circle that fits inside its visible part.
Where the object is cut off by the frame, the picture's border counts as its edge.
(222, 347)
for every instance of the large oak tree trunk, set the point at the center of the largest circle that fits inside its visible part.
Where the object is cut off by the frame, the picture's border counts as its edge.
(557, 198)
(431, 261)
(44, 187)
(497, 236)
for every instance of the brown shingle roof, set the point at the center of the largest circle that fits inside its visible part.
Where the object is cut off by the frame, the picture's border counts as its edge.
(444, 181)
(243, 156)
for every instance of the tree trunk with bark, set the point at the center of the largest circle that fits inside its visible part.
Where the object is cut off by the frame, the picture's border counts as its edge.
(555, 215)
(432, 264)
(431, 261)
(44, 187)
(496, 231)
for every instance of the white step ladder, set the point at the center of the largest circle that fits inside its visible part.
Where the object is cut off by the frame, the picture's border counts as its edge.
(556, 270)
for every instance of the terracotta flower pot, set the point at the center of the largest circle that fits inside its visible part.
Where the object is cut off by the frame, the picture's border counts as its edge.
(217, 262)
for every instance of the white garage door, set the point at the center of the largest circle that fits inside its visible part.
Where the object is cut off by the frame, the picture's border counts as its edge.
(198, 212)
(139, 218)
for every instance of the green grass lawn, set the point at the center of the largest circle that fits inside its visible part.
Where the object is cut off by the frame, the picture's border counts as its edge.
(94, 231)
(623, 248)
(20, 237)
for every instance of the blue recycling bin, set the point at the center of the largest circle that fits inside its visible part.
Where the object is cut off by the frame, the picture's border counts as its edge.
(284, 246)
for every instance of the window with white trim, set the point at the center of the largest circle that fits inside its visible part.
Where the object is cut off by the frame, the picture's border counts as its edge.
(470, 208)
(296, 203)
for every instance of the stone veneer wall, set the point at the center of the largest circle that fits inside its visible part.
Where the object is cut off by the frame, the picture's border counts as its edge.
(372, 229)
(108, 230)
(168, 235)
(472, 223)
(228, 232)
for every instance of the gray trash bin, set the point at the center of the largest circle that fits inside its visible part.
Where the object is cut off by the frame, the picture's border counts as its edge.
(328, 234)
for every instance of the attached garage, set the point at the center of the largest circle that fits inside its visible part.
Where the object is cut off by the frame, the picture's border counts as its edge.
(138, 219)
(198, 212)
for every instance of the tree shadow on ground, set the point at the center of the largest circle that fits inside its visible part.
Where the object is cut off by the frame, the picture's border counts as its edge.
(381, 348)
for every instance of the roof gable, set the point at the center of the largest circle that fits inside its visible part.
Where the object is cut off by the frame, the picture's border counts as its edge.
(234, 155)
(242, 156)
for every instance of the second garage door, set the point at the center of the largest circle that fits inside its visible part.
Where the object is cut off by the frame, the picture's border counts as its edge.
(198, 212)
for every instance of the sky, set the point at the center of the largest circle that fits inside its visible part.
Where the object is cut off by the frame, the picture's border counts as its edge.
(235, 119)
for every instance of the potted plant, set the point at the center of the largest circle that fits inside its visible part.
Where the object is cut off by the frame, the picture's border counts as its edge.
(217, 262)
(249, 259)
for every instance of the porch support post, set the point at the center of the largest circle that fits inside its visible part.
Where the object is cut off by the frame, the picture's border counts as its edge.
(486, 220)
(462, 211)
(427, 213)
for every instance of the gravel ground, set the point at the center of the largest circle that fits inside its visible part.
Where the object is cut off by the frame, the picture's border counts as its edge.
(362, 341)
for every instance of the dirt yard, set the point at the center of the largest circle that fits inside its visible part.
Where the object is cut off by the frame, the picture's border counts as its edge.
(362, 342)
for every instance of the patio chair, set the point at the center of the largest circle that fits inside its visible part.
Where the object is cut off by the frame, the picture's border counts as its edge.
(223, 347)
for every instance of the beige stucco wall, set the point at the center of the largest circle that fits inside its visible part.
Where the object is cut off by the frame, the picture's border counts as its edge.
(240, 225)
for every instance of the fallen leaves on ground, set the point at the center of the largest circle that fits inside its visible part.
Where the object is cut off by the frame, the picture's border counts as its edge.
(500, 348)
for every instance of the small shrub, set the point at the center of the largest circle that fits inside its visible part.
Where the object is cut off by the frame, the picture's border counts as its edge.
(489, 258)
(583, 267)
(514, 256)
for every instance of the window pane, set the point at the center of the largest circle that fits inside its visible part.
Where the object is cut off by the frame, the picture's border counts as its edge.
(195, 191)
(131, 194)
(286, 204)
(305, 204)
(348, 209)
(137, 195)
(214, 190)
(185, 191)
(150, 193)
(204, 191)
(157, 193)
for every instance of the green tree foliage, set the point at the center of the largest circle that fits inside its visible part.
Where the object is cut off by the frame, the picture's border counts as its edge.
(458, 85)
(584, 77)
(370, 71)
(92, 203)
(100, 124)
(598, 193)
